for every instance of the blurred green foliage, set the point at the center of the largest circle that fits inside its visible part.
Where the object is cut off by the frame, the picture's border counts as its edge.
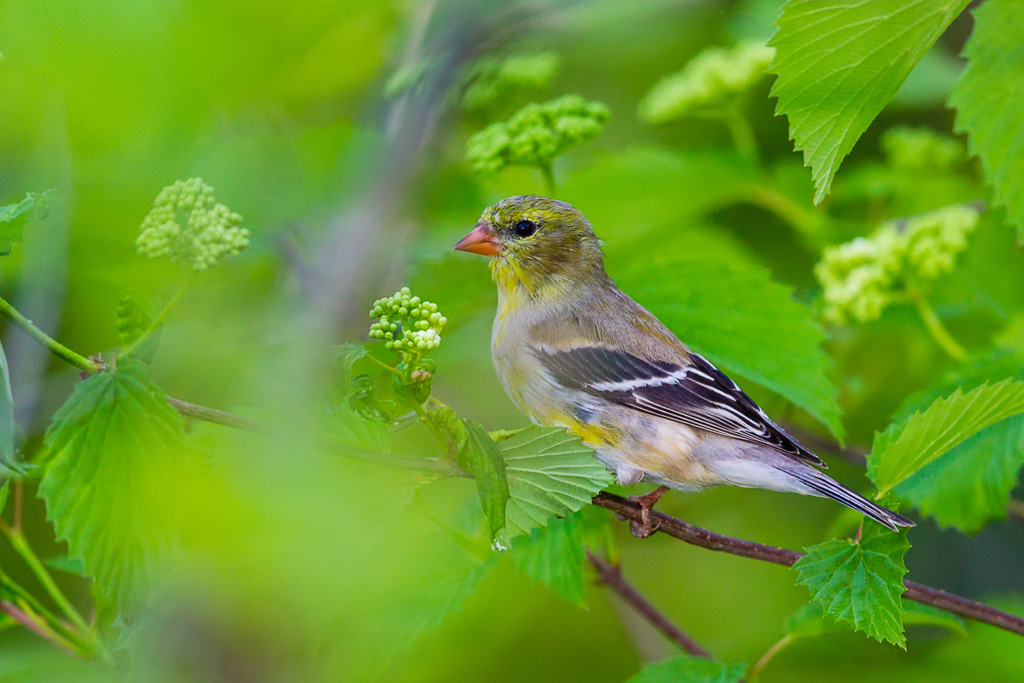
(337, 134)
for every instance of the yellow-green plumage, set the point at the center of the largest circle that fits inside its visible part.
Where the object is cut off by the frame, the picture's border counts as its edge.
(573, 350)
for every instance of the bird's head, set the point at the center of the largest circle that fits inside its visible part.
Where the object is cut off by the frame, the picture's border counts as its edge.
(537, 244)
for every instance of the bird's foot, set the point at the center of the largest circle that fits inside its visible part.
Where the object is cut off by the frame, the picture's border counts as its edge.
(646, 526)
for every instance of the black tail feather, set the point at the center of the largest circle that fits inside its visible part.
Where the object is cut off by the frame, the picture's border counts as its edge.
(826, 487)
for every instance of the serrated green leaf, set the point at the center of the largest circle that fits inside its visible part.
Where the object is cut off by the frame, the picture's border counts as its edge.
(554, 556)
(479, 456)
(970, 485)
(8, 427)
(860, 583)
(117, 448)
(346, 355)
(690, 670)
(14, 218)
(906, 447)
(989, 101)
(356, 415)
(346, 425)
(731, 311)
(839, 63)
(550, 474)
(133, 319)
(447, 597)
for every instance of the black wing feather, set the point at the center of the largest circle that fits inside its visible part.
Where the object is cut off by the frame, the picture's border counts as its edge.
(698, 395)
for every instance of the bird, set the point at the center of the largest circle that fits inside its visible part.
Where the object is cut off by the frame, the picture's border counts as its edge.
(573, 350)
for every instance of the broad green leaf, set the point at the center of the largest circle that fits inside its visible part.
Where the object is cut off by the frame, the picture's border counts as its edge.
(690, 670)
(357, 416)
(860, 582)
(346, 355)
(989, 101)
(8, 428)
(809, 621)
(14, 218)
(554, 556)
(445, 595)
(839, 63)
(731, 311)
(550, 474)
(117, 450)
(906, 447)
(478, 455)
(345, 424)
(970, 485)
(5, 492)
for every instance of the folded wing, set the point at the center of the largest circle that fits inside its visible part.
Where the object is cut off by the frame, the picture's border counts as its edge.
(696, 393)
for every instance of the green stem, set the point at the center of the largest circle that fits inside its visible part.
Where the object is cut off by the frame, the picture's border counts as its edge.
(775, 649)
(24, 615)
(742, 134)
(442, 440)
(21, 545)
(331, 445)
(51, 344)
(384, 365)
(935, 327)
(158, 319)
(548, 172)
(47, 620)
(806, 221)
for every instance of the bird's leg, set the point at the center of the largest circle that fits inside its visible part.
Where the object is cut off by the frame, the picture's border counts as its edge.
(645, 528)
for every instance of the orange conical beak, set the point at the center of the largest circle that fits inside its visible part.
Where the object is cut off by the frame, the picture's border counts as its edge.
(481, 240)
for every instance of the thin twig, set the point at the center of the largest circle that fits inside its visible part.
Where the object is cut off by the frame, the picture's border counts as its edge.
(934, 325)
(28, 555)
(695, 535)
(612, 577)
(51, 344)
(37, 627)
(246, 424)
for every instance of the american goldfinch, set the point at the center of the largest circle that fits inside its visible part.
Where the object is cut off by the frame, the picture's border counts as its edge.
(573, 350)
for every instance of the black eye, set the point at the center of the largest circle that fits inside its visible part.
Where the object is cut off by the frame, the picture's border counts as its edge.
(525, 228)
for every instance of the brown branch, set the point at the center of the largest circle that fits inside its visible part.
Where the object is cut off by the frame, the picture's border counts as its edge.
(627, 509)
(612, 577)
(695, 535)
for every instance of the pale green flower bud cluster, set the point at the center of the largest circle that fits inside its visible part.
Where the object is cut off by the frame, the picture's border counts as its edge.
(920, 149)
(536, 134)
(407, 324)
(490, 79)
(712, 79)
(861, 278)
(188, 226)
